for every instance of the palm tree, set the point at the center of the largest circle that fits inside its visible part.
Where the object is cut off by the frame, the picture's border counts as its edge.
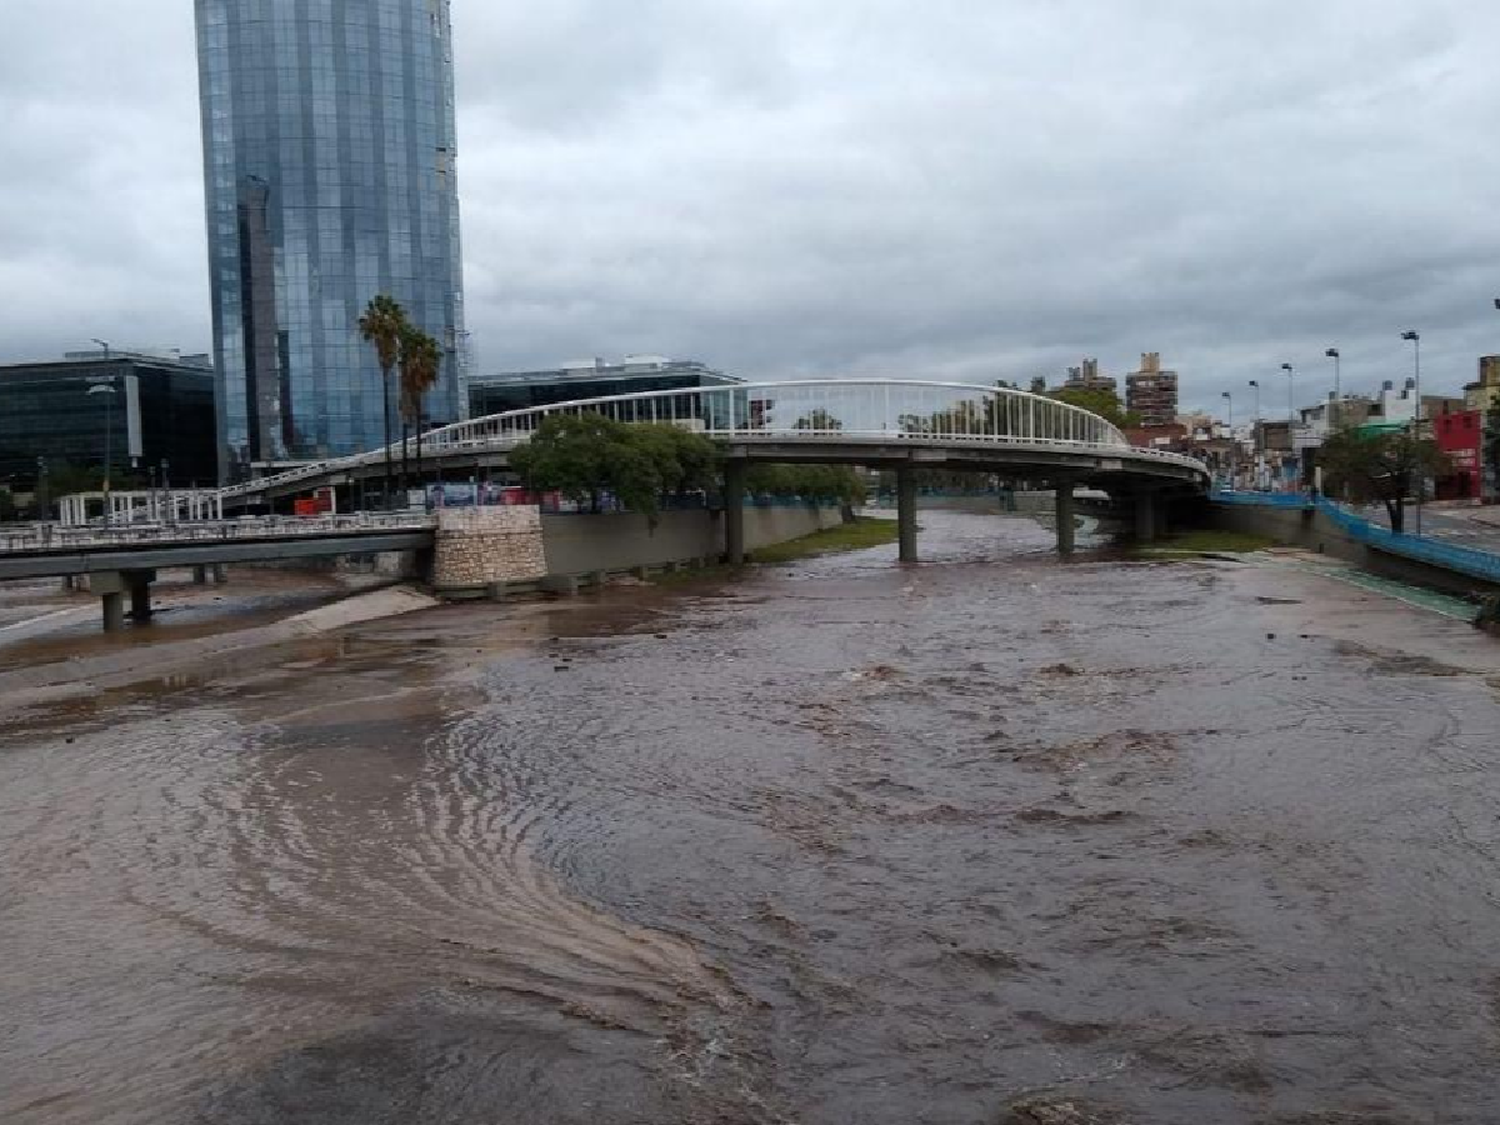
(383, 324)
(421, 361)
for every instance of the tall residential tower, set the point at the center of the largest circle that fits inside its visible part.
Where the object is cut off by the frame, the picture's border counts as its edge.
(329, 148)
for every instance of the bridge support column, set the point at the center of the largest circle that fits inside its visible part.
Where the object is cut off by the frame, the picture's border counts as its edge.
(200, 575)
(140, 596)
(220, 573)
(112, 586)
(1066, 528)
(734, 513)
(906, 513)
(114, 611)
(1146, 517)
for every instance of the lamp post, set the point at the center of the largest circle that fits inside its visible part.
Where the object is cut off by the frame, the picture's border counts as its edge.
(1338, 401)
(1255, 431)
(1229, 398)
(109, 419)
(1416, 342)
(1291, 413)
(43, 500)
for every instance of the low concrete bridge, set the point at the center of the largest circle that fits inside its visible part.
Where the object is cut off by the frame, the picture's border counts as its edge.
(898, 425)
(121, 561)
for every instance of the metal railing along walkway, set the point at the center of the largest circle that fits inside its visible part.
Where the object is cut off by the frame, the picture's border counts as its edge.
(47, 537)
(1465, 560)
(814, 411)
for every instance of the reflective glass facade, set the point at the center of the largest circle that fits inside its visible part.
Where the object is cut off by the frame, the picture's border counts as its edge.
(329, 151)
(143, 411)
(521, 390)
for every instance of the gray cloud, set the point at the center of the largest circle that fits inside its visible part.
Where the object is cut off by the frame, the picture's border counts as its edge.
(958, 189)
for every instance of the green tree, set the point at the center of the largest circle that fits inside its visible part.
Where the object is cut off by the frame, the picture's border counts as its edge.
(66, 479)
(1098, 400)
(1383, 468)
(382, 324)
(818, 419)
(831, 483)
(687, 462)
(584, 456)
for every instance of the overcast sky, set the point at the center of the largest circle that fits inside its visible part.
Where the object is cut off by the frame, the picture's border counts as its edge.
(952, 189)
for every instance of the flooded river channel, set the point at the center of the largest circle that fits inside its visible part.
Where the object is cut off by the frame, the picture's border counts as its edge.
(1199, 843)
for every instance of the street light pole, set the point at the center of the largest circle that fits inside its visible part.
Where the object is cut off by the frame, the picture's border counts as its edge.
(1255, 431)
(1416, 341)
(1291, 413)
(109, 419)
(1338, 399)
(1229, 398)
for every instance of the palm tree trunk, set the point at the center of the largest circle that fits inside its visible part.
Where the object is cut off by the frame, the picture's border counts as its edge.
(420, 483)
(405, 472)
(385, 386)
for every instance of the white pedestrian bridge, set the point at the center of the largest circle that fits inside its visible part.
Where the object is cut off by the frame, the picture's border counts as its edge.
(890, 424)
(883, 423)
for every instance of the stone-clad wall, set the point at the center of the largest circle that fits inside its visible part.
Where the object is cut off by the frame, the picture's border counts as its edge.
(478, 547)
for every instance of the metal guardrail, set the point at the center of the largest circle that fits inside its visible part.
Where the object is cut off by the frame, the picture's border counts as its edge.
(1464, 560)
(1264, 499)
(55, 538)
(890, 410)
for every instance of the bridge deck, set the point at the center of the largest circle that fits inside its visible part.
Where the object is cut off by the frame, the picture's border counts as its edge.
(56, 553)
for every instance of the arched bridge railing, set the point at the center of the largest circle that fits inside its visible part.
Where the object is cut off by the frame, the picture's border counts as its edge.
(854, 410)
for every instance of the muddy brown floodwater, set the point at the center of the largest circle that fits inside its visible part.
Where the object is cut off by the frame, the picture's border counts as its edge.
(1190, 844)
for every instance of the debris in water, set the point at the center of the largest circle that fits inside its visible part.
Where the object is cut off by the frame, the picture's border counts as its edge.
(1049, 1113)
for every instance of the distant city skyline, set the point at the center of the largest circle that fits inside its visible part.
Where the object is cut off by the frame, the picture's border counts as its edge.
(755, 187)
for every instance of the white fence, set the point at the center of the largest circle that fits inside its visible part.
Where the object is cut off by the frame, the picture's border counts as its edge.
(945, 414)
(48, 537)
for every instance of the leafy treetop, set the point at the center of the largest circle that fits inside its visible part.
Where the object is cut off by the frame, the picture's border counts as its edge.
(1372, 467)
(584, 456)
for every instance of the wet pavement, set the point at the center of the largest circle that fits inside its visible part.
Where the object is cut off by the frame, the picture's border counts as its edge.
(843, 843)
(40, 623)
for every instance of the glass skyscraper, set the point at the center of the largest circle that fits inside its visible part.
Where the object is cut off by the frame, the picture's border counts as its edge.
(329, 149)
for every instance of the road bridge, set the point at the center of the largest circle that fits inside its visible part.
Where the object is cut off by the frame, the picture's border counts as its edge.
(898, 425)
(120, 561)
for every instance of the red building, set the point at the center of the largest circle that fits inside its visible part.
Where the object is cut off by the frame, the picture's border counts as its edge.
(1460, 435)
(1171, 437)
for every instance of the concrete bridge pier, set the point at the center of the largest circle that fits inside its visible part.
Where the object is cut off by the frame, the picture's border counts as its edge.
(140, 599)
(1148, 519)
(734, 513)
(1066, 517)
(114, 611)
(906, 513)
(112, 586)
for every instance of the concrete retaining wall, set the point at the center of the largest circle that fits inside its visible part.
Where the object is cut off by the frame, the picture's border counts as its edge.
(584, 544)
(1314, 531)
